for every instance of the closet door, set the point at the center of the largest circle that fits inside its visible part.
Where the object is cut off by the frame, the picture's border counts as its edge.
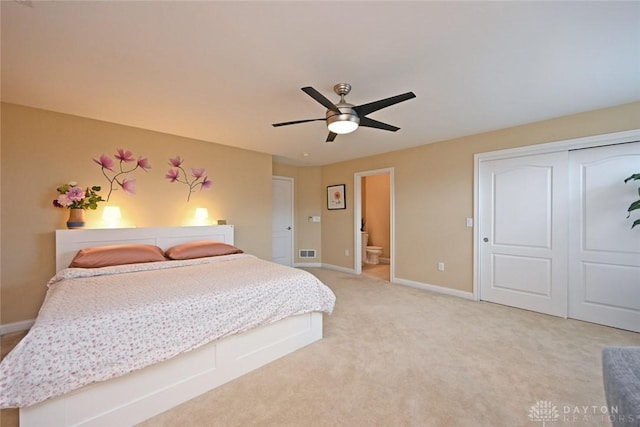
(604, 253)
(523, 239)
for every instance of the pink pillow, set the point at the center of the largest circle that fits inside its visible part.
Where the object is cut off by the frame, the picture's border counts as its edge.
(201, 249)
(105, 256)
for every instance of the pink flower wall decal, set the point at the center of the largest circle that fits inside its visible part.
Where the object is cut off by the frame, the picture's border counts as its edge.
(206, 184)
(144, 163)
(119, 177)
(175, 162)
(124, 156)
(105, 162)
(128, 185)
(197, 172)
(198, 176)
(172, 175)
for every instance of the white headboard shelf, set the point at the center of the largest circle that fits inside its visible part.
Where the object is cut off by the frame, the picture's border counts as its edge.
(69, 242)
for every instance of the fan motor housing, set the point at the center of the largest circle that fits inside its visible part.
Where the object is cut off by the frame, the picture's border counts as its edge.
(347, 114)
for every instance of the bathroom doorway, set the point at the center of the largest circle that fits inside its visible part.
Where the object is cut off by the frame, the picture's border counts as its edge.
(374, 218)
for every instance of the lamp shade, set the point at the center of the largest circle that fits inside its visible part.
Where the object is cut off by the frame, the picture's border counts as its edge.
(201, 217)
(202, 213)
(111, 215)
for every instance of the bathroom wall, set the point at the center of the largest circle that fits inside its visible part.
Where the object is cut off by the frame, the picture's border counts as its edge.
(376, 196)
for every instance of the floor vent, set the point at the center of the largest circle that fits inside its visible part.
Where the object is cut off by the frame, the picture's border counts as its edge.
(307, 253)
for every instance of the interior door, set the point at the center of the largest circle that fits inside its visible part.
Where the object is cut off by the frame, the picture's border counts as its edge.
(523, 222)
(604, 252)
(282, 220)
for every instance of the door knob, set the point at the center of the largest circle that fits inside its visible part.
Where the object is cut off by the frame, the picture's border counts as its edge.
(485, 240)
(288, 228)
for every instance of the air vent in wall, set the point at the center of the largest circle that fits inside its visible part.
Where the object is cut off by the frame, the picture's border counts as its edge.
(307, 253)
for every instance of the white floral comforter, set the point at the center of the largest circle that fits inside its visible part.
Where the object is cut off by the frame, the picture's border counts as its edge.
(97, 324)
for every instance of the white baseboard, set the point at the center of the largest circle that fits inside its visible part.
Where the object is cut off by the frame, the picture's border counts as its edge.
(10, 328)
(411, 283)
(308, 264)
(338, 268)
(434, 288)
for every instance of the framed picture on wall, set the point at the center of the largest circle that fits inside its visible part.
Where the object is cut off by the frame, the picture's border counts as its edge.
(335, 197)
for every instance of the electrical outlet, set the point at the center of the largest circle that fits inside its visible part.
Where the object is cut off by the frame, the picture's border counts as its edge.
(469, 222)
(440, 266)
(346, 252)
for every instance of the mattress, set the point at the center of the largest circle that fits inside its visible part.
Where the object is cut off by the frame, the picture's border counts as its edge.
(98, 324)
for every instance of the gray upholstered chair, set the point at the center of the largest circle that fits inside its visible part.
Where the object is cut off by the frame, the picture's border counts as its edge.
(621, 374)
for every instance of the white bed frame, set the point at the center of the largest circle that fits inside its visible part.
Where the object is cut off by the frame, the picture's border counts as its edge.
(140, 395)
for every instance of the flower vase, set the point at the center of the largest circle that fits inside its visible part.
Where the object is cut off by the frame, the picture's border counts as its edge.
(76, 218)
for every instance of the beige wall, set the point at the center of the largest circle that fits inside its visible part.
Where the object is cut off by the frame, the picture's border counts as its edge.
(376, 196)
(42, 150)
(308, 202)
(434, 195)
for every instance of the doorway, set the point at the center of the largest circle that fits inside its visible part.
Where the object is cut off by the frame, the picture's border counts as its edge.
(282, 220)
(374, 215)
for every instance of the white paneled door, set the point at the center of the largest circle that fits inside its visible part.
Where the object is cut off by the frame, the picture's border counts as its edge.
(554, 236)
(282, 220)
(523, 211)
(604, 252)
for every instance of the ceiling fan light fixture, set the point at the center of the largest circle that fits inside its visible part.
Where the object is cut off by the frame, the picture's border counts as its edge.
(343, 117)
(343, 123)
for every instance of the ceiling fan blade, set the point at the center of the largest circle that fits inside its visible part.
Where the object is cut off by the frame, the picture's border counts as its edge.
(370, 123)
(275, 125)
(365, 109)
(331, 137)
(320, 98)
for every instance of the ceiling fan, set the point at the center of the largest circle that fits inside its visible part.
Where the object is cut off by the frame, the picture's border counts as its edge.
(343, 117)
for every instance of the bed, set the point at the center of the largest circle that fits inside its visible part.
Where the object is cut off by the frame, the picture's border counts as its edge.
(125, 395)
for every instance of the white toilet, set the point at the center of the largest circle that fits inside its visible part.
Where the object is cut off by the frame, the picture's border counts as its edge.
(370, 254)
(373, 254)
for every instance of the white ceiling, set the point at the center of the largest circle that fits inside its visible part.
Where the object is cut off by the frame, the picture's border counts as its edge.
(225, 71)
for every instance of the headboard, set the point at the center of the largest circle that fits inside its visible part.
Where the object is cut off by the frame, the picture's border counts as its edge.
(69, 242)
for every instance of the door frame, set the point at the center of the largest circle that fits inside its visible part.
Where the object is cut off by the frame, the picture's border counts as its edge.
(293, 217)
(550, 147)
(358, 215)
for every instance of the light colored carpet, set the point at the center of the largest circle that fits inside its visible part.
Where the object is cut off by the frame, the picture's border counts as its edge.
(397, 356)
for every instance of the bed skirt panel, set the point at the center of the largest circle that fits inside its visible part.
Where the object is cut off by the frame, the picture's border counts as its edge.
(142, 394)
